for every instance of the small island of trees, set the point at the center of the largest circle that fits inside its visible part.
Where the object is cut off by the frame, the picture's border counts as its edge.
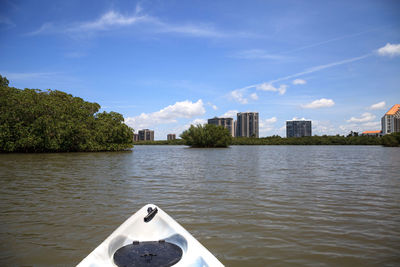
(32, 120)
(207, 135)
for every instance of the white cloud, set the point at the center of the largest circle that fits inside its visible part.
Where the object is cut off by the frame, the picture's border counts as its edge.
(267, 125)
(373, 124)
(270, 120)
(323, 128)
(170, 114)
(254, 96)
(241, 95)
(238, 96)
(214, 107)
(161, 132)
(270, 87)
(380, 105)
(230, 114)
(365, 117)
(360, 127)
(390, 50)
(299, 119)
(299, 81)
(198, 121)
(320, 103)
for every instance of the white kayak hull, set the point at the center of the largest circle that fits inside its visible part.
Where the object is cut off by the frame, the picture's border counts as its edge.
(160, 227)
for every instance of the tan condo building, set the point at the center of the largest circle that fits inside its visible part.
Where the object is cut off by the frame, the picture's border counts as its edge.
(226, 122)
(247, 124)
(171, 136)
(391, 120)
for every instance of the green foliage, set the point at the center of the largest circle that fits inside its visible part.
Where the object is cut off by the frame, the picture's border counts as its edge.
(391, 139)
(3, 81)
(309, 140)
(161, 142)
(32, 120)
(208, 135)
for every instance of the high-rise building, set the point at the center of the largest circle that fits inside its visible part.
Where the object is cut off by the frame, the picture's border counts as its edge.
(391, 120)
(247, 124)
(226, 122)
(146, 135)
(135, 137)
(171, 136)
(298, 128)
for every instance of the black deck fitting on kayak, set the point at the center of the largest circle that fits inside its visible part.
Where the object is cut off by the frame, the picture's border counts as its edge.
(152, 213)
(149, 254)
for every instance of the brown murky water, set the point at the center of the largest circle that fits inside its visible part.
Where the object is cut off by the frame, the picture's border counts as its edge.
(249, 205)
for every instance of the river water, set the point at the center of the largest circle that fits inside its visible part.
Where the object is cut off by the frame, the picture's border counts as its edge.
(249, 205)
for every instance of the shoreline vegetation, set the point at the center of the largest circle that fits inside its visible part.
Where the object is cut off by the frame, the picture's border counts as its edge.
(32, 120)
(207, 135)
(392, 140)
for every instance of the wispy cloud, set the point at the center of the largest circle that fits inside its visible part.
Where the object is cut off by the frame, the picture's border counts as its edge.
(240, 94)
(21, 76)
(320, 103)
(380, 105)
(390, 50)
(6, 23)
(113, 20)
(262, 54)
(108, 20)
(46, 28)
(257, 54)
(331, 40)
(321, 67)
(269, 87)
(170, 114)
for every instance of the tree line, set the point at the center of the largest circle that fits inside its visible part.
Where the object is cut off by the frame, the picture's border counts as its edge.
(32, 120)
(387, 140)
(217, 136)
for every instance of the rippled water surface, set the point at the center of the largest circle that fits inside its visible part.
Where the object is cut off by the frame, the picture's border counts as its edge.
(249, 205)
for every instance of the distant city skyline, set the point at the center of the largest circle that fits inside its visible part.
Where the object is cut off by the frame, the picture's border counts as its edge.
(167, 65)
(390, 123)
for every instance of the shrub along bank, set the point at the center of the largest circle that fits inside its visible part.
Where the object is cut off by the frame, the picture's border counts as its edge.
(32, 120)
(387, 140)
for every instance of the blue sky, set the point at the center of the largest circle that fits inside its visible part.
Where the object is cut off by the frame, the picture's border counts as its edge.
(167, 64)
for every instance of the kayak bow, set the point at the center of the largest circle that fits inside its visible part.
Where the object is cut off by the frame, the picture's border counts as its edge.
(150, 237)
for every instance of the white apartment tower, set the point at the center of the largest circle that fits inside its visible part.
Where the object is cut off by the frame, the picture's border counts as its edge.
(391, 120)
